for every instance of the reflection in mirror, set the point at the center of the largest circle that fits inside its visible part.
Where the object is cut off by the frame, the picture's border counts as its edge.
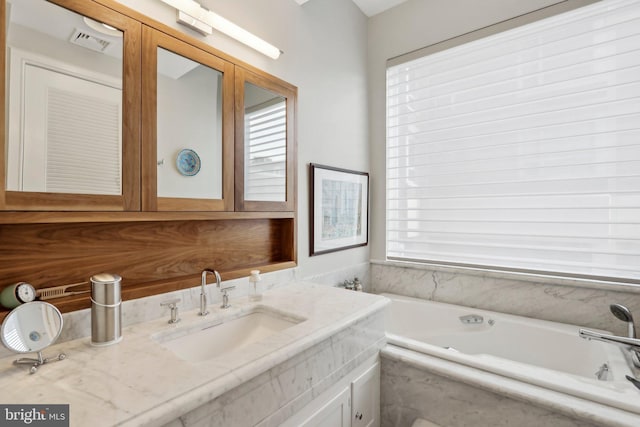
(64, 101)
(189, 141)
(265, 145)
(31, 327)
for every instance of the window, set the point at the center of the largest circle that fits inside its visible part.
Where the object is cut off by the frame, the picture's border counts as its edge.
(521, 150)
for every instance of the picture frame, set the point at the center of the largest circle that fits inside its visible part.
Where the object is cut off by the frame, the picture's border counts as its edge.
(339, 209)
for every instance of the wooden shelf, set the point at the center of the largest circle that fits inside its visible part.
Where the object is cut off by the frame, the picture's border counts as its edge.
(15, 217)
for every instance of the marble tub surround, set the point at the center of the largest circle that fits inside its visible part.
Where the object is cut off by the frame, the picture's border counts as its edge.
(421, 386)
(138, 382)
(574, 301)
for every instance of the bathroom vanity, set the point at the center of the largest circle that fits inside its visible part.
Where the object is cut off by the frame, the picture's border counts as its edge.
(315, 353)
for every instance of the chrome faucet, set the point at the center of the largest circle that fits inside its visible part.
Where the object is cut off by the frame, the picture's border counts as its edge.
(203, 290)
(631, 343)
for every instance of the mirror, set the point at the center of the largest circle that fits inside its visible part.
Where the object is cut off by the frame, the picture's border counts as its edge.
(265, 131)
(265, 145)
(64, 101)
(31, 327)
(189, 128)
(187, 132)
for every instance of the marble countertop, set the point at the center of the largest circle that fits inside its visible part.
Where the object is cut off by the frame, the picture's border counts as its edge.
(138, 382)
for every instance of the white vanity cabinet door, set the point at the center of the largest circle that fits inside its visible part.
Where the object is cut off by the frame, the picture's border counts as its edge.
(357, 393)
(334, 413)
(365, 398)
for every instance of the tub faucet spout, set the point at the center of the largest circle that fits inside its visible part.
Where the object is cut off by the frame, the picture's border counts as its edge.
(631, 344)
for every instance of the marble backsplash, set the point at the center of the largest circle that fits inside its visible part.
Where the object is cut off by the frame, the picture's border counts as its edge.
(573, 301)
(77, 324)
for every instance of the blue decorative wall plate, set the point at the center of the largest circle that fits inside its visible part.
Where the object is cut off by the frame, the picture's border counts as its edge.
(188, 162)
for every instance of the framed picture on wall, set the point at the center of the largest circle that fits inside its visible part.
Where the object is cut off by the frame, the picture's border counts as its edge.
(339, 209)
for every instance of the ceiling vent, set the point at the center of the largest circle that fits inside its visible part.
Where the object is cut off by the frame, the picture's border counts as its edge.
(89, 41)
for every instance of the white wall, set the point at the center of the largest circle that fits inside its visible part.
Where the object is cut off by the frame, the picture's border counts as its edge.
(325, 51)
(405, 28)
(190, 117)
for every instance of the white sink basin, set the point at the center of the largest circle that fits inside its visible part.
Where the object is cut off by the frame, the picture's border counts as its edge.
(214, 340)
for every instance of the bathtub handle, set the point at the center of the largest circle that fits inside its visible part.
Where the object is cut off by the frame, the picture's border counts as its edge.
(471, 319)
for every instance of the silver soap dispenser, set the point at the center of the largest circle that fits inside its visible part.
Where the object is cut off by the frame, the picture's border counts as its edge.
(106, 317)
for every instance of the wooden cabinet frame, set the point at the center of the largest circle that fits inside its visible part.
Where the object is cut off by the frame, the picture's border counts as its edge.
(129, 200)
(289, 92)
(151, 40)
(142, 36)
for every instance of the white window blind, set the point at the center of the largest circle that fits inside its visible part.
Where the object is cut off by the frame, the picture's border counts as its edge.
(83, 144)
(521, 150)
(266, 151)
(71, 129)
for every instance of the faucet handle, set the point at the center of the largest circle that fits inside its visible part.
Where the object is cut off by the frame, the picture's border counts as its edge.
(219, 283)
(225, 297)
(170, 303)
(173, 305)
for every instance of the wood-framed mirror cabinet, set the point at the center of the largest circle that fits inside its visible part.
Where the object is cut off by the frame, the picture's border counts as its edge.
(265, 163)
(140, 184)
(49, 162)
(187, 116)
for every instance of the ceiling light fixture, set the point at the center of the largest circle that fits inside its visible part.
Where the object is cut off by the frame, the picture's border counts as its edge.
(201, 20)
(102, 28)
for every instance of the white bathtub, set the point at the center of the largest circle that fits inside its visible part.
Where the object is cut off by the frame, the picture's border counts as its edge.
(546, 354)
